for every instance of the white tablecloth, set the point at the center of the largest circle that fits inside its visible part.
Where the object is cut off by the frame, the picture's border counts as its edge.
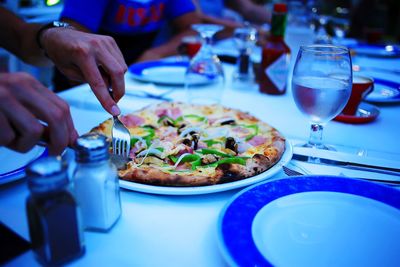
(159, 230)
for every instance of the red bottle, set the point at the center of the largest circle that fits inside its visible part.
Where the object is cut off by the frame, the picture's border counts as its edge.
(275, 55)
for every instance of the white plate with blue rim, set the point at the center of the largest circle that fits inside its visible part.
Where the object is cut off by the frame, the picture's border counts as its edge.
(375, 50)
(13, 164)
(163, 72)
(312, 221)
(207, 189)
(385, 91)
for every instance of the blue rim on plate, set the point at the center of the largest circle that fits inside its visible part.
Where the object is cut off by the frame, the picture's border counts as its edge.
(375, 50)
(236, 219)
(20, 172)
(137, 70)
(391, 87)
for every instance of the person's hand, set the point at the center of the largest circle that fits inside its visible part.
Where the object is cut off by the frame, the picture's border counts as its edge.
(25, 101)
(79, 55)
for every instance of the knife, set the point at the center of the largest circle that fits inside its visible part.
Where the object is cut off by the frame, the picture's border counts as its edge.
(344, 160)
(142, 94)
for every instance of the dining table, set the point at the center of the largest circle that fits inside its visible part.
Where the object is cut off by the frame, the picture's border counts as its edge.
(166, 228)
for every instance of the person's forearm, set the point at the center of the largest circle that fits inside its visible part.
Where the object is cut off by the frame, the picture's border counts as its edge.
(257, 14)
(182, 26)
(167, 49)
(250, 11)
(19, 38)
(229, 25)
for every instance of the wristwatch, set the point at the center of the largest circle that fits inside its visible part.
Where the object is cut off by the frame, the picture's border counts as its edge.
(53, 24)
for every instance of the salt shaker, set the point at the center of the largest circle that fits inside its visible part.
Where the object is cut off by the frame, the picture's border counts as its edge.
(54, 224)
(96, 183)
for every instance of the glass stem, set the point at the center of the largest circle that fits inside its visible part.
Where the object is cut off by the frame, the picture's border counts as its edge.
(316, 135)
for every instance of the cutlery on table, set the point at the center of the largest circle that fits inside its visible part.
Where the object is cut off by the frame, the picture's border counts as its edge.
(291, 172)
(144, 94)
(343, 160)
(121, 138)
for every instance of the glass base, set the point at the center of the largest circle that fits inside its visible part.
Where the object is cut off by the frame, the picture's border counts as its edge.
(311, 158)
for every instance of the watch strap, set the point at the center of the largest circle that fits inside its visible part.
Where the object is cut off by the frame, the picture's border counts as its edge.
(53, 24)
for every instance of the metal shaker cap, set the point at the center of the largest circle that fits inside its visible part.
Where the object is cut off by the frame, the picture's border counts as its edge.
(92, 147)
(245, 38)
(47, 174)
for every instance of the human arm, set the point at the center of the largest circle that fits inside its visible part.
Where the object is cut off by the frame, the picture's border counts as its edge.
(25, 101)
(19, 38)
(77, 54)
(182, 27)
(250, 11)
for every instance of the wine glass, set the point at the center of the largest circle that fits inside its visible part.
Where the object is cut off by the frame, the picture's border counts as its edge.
(321, 86)
(204, 78)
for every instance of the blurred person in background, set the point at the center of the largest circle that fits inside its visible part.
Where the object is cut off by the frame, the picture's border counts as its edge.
(25, 101)
(232, 13)
(375, 20)
(134, 24)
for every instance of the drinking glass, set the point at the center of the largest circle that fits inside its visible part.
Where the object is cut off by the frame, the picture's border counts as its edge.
(321, 86)
(204, 78)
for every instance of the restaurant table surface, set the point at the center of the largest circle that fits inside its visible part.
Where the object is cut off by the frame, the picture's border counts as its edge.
(165, 230)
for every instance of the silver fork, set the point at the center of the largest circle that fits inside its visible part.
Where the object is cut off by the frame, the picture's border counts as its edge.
(121, 138)
(290, 172)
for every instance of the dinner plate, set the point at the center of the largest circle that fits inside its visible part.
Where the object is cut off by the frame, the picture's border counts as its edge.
(197, 190)
(13, 163)
(312, 221)
(161, 72)
(384, 92)
(377, 50)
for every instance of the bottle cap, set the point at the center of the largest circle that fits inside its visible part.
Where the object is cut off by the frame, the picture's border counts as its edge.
(91, 147)
(280, 8)
(47, 174)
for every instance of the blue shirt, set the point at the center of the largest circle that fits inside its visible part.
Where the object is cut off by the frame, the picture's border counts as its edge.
(212, 7)
(125, 16)
(133, 24)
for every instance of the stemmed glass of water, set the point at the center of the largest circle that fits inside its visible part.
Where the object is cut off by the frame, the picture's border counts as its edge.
(204, 78)
(321, 86)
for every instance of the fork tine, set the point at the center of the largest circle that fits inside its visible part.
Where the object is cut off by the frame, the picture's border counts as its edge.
(290, 172)
(126, 149)
(114, 145)
(119, 146)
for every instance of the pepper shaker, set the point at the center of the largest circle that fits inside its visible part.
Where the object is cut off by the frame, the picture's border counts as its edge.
(96, 183)
(54, 224)
(245, 39)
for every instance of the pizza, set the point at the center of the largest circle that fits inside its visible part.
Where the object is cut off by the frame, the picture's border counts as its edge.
(179, 144)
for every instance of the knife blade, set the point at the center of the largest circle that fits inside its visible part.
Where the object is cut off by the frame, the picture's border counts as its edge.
(344, 160)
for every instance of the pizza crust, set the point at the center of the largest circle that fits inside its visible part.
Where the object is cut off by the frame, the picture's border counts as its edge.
(261, 157)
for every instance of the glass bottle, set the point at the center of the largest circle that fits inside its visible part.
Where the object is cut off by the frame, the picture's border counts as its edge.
(275, 55)
(54, 226)
(96, 183)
